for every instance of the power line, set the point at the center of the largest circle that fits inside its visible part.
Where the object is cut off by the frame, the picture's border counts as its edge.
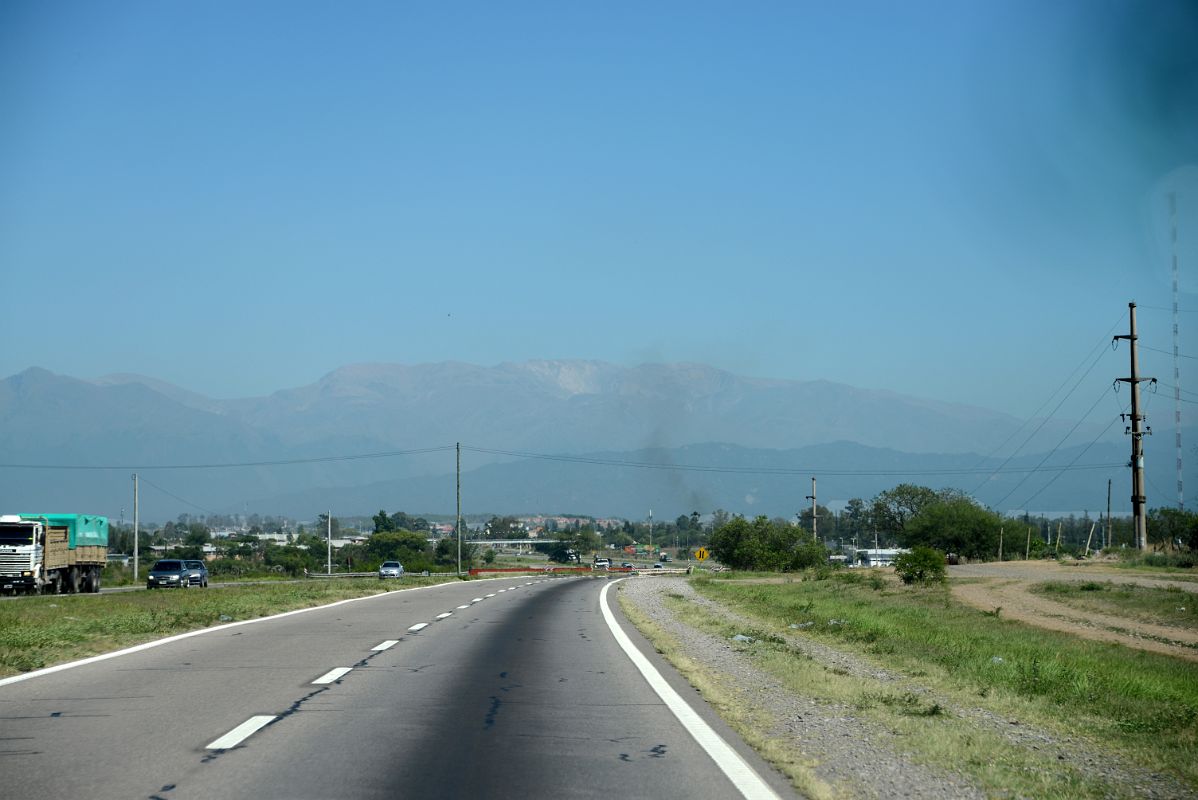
(1052, 480)
(1098, 348)
(785, 471)
(1171, 386)
(1167, 308)
(1046, 420)
(209, 511)
(1167, 352)
(229, 465)
(1050, 453)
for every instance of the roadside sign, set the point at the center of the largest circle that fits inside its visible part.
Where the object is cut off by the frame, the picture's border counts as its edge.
(701, 554)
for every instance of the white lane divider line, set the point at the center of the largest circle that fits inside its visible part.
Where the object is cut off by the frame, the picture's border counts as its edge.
(750, 785)
(242, 732)
(332, 675)
(464, 606)
(477, 600)
(419, 626)
(446, 614)
(492, 594)
(387, 645)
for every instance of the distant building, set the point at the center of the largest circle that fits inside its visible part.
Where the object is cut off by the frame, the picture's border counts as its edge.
(880, 557)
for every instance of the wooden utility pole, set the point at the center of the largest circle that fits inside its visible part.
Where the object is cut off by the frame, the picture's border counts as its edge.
(136, 528)
(1108, 512)
(458, 526)
(1027, 548)
(1138, 498)
(1000, 544)
(814, 516)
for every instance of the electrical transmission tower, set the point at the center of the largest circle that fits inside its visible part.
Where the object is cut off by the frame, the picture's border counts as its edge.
(1181, 497)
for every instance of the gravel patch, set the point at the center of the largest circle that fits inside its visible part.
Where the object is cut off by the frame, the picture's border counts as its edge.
(855, 754)
(842, 749)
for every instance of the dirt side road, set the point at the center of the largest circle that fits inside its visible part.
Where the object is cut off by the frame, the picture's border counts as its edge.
(1007, 586)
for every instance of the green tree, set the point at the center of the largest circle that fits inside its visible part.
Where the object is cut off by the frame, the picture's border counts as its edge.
(1171, 527)
(382, 522)
(890, 510)
(958, 525)
(764, 544)
(921, 565)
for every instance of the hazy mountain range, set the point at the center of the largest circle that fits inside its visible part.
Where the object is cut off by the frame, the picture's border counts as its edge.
(52, 425)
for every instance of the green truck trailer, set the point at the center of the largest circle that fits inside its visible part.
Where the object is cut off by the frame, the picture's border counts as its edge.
(52, 553)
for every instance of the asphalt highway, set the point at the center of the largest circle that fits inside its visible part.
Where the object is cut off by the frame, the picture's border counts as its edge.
(503, 688)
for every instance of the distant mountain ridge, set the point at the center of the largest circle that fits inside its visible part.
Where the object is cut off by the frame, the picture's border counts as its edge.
(546, 406)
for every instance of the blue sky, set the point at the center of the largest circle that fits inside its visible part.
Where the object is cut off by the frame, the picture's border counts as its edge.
(952, 200)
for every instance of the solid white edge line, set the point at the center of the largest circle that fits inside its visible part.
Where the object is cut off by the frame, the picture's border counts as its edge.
(241, 732)
(746, 780)
(387, 645)
(419, 626)
(333, 675)
(446, 614)
(199, 632)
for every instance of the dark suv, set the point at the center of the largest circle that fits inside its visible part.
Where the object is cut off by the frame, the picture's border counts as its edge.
(199, 573)
(169, 572)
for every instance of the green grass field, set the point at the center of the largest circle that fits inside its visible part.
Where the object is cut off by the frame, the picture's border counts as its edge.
(1141, 705)
(37, 632)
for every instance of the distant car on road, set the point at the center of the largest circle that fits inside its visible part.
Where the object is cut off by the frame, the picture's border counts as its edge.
(199, 573)
(168, 572)
(658, 566)
(390, 569)
(627, 565)
(601, 563)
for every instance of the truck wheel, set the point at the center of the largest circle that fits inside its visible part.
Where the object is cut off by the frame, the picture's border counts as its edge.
(73, 580)
(96, 580)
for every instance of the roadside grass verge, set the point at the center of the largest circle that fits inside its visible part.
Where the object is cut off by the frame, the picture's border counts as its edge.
(741, 714)
(38, 632)
(1161, 605)
(922, 727)
(1142, 705)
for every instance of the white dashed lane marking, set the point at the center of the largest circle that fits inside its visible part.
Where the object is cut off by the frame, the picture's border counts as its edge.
(387, 645)
(446, 614)
(465, 606)
(477, 600)
(333, 675)
(419, 626)
(241, 732)
(492, 594)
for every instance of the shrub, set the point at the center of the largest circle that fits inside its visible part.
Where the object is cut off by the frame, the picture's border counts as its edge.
(921, 565)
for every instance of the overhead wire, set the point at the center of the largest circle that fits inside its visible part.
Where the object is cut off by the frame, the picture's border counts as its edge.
(229, 465)
(1051, 452)
(785, 471)
(143, 479)
(1084, 450)
(1043, 422)
(1098, 348)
